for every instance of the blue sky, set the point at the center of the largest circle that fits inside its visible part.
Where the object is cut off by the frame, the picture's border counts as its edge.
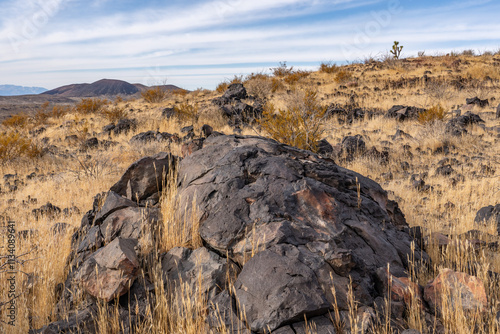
(195, 44)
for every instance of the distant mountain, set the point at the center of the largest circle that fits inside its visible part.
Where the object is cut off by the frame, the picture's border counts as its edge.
(104, 87)
(12, 90)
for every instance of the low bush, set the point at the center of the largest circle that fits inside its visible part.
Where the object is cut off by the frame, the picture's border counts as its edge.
(435, 113)
(329, 68)
(282, 70)
(180, 92)
(300, 124)
(259, 85)
(13, 145)
(187, 112)
(90, 105)
(154, 95)
(114, 114)
(18, 121)
(295, 76)
(343, 76)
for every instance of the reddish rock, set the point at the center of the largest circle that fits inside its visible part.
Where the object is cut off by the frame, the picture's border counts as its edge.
(110, 271)
(468, 291)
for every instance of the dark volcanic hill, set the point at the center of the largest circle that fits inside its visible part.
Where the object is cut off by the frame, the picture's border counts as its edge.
(104, 87)
(99, 88)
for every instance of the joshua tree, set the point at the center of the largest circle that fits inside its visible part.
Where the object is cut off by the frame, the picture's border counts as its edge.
(396, 50)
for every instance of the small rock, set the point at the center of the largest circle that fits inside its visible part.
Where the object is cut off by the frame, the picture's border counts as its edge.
(460, 288)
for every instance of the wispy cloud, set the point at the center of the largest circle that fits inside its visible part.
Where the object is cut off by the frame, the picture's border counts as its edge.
(195, 43)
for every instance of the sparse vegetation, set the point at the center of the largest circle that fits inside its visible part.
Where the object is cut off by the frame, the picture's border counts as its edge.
(154, 95)
(300, 124)
(435, 113)
(295, 114)
(396, 50)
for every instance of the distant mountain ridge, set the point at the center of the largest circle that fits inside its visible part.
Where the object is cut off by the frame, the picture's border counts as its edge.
(104, 87)
(13, 90)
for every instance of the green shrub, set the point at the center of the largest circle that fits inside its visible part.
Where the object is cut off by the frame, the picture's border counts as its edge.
(300, 124)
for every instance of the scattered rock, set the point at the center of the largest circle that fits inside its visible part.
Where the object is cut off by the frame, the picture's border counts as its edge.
(459, 288)
(489, 214)
(477, 101)
(458, 126)
(324, 147)
(402, 113)
(154, 136)
(48, 210)
(168, 113)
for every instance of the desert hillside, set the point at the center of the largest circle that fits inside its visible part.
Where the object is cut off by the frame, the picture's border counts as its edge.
(352, 199)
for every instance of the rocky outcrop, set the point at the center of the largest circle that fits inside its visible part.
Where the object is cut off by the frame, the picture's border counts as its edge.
(231, 105)
(282, 225)
(458, 126)
(308, 218)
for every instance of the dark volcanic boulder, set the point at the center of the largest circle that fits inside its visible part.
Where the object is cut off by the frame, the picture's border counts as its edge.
(310, 223)
(477, 101)
(145, 177)
(498, 111)
(487, 214)
(402, 113)
(458, 126)
(235, 91)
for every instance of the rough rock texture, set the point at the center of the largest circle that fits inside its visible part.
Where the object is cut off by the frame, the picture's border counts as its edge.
(192, 267)
(234, 109)
(154, 136)
(477, 101)
(282, 224)
(402, 113)
(487, 214)
(145, 177)
(308, 220)
(110, 271)
(466, 291)
(458, 126)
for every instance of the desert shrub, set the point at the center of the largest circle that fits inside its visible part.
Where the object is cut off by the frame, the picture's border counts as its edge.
(18, 121)
(187, 112)
(276, 85)
(221, 87)
(180, 92)
(282, 70)
(13, 145)
(328, 67)
(435, 113)
(259, 85)
(59, 111)
(90, 105)
(295, 76)
(468, 53)
(343, 76)
(300, 124)
(114, 113)
(154, 95)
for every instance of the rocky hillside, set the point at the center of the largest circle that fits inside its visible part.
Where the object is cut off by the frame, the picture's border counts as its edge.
(354, 199)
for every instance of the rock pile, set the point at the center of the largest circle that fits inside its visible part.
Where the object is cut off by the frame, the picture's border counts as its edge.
(292, 229)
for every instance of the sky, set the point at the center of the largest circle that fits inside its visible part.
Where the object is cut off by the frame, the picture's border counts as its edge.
(200, 43)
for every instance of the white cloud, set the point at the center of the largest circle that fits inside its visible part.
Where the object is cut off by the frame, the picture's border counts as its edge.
(129, 45)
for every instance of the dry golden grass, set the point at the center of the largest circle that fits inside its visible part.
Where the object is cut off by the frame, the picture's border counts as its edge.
(65, 181)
